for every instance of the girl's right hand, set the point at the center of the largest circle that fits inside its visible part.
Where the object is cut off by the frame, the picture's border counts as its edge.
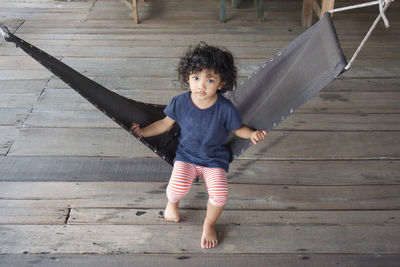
(135, 128)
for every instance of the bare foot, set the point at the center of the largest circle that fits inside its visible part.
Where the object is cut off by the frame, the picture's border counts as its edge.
(209, 238)
(171, 213)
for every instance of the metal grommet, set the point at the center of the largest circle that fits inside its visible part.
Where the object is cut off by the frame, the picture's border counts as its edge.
(271, 59)
(279, 53)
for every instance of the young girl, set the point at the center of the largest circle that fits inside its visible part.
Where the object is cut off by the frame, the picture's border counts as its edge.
(205, 118)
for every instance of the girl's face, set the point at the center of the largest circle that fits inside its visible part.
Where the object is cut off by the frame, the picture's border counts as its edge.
(204, 85)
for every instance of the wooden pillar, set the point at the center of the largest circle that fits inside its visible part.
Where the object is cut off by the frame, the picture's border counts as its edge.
(306, 16)
(326, 6)
(260, 9)
(135, 13)
(222, 11)
(235, 3)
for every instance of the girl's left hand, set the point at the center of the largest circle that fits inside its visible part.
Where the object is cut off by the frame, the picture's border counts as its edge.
(257, 136)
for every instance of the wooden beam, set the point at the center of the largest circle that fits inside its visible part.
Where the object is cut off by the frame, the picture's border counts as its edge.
(135, 14)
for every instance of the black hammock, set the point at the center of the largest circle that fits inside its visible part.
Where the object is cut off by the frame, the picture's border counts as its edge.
(284, 82)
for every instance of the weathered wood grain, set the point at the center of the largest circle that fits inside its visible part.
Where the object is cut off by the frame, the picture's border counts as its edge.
(78, 141)
(232, 217)
(81, 169)
(33, 216)
(7, 136)
(78, 169)
(13, 116)
(171, 83)
(298, 121)
(334, 201)
(161, 67)
(323, 102)
(184, 238)
(183, 260)
(278, 145)
(241, 196)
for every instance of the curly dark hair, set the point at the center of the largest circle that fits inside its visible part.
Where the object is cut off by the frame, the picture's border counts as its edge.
(208, 57)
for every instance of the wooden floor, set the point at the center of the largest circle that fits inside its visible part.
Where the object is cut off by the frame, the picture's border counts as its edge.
(75, 189)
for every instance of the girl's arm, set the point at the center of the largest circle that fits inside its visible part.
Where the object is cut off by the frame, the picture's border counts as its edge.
(247, 133)
(153, 129)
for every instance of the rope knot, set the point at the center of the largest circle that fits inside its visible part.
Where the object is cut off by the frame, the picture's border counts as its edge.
(382, 5)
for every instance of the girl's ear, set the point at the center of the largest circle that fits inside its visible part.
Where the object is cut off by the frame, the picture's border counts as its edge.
(221, 85)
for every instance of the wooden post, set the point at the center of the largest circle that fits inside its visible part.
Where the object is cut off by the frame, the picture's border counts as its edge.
(260, 9)
(326, 6)
(306, 17)
(222, 12)
(135, 13)
(235, 3)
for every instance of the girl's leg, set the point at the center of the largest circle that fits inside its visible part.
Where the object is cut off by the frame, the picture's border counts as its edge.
(217, 187)
(179, 185)
(209, 238)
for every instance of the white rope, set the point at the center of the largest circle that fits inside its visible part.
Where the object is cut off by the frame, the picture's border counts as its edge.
(383, 5)
(354, 7)
(4, 32)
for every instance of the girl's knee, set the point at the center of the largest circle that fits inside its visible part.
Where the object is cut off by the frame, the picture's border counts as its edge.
(218, 202)
(173, 197)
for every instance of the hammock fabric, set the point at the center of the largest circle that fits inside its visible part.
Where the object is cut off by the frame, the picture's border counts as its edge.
(274, 91)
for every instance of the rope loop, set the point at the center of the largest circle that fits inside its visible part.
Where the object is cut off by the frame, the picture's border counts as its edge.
(382, 5)
(5, 32)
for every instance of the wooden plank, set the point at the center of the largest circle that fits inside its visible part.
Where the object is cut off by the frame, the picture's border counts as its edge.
(33, 216)
(169, 83)
(241, 196)
(13, 116)
(80, 169)
(341, 122)
(59, 169)
(93, 49)
(121, 83)
(26, 100)
(324, 102)
(181, 238)
(310, 122)
(183, 260)
(162, 67)
(7, 136)
(314, 172)
(230, 217)
(16, 74)
(326, 145)
(79, 141)
(21, 86)
(278, 145)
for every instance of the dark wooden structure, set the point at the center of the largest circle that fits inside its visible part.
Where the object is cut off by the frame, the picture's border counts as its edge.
(322, 190)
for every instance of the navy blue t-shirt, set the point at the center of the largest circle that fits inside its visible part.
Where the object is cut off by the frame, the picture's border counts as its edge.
(203, 132)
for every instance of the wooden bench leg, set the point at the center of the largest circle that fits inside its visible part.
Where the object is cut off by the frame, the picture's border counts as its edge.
(260, 9)
(306, 16)
(135, 14)
(222, 11)
(326, 6)
(235, 3)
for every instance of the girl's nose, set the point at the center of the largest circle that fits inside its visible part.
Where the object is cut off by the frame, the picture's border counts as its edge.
(202, 84)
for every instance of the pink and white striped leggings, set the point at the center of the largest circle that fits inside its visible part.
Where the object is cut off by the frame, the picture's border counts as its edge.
(182, 178)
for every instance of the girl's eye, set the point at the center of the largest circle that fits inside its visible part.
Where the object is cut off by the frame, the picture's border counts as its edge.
(195, 78)
(210, 81)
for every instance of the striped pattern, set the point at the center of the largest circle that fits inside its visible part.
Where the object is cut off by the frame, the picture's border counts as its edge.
(182, 178)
